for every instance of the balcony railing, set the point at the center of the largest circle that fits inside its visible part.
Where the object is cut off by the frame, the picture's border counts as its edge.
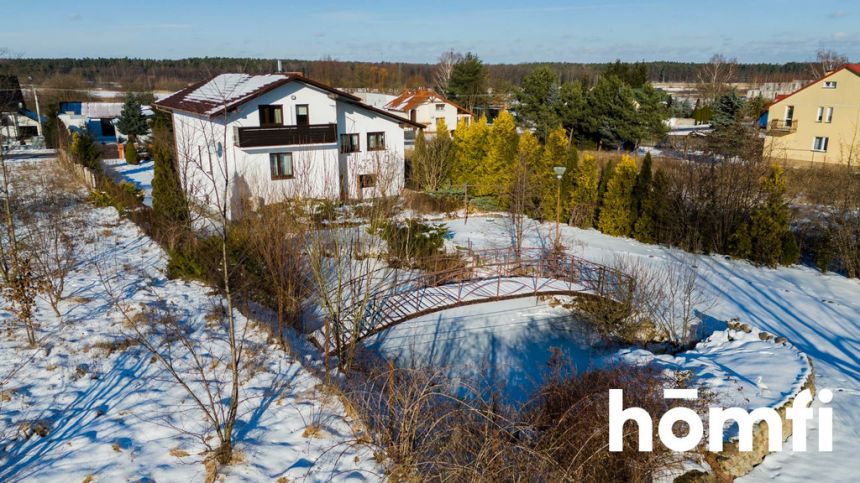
(256, 137)
(782, 126)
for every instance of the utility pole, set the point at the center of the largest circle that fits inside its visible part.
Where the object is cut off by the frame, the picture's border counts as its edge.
(38, 112)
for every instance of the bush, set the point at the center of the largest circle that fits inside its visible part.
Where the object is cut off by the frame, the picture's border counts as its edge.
(790, 249)
(131, 156)
(425, 433)
(411, 241)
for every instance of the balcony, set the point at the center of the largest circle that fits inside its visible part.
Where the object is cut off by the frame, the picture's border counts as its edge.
(782, 126)
(258, 137)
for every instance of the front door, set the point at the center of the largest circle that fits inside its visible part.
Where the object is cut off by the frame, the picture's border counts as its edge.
(302, 117)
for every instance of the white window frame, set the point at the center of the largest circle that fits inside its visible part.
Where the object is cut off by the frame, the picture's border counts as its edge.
(440, 107)
(829, 84)
(820, 147)
(819, 116)
(829, 117)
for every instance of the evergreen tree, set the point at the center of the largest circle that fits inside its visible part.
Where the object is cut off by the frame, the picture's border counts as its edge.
(85, 150)
(131, 121)
(572, 109)
(769, 222)
(651, 112)
(605, 175)
(616, 217)
(468, 81)
(556, 153)
(501, 149)
(169, 206)
(642, 187)
(419, 152)
(583, 198)
(130, 151)
(655, 211)
(612, 120)
(538, 99)
(741, 242)
(470, 150)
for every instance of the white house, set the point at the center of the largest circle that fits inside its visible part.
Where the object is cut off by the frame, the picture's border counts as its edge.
(283, 135)
(428, 108)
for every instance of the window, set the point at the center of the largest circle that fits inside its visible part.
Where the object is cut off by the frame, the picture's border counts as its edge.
(375, 141)
(820, 144)
(440, 107)
(302, 117)
(820, 116)
(830, 84)
(829, 117)
(281, 165)
(366, 181)
(789, 115)
(271, 115)
(349, 143)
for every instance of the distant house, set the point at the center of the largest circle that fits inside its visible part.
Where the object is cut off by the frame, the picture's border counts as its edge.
(428, 108)
(17, 124)
(99, 118)
(284, 135)
(819, 122)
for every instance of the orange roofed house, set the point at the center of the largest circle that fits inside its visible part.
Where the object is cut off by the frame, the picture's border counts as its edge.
(819, 122)
(428, 108)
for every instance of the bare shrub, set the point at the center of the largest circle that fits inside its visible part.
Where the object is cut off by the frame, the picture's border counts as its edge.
(431, 428)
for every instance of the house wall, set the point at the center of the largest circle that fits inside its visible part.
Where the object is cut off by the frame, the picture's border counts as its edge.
(320, 171)
(843, 132)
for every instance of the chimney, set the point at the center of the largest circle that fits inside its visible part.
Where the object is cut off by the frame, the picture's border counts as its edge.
(280, 66)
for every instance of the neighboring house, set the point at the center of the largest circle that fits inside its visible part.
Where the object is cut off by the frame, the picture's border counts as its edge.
(17, 124)
(819, 122)
(428, 108)
(99, 118)
(283, 135)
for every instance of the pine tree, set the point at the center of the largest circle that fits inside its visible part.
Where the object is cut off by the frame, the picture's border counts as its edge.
(131, 121)
(502, 147)
(741, 242)
(583, 199)
(537, 99)
(616, 217)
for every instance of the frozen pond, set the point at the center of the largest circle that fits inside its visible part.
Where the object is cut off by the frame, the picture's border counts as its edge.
(504, 345)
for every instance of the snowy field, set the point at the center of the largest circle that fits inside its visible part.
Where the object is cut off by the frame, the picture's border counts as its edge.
(115, 415)
(141, 175)
(818, 313)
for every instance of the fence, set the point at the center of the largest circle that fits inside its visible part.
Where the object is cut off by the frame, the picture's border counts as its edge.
(384, 297)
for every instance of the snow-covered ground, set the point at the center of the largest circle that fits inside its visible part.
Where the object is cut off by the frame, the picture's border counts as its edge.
(818, 313)
(114, 414)
(141, 175)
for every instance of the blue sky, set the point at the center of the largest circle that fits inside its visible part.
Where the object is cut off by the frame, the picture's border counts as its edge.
(499, 30)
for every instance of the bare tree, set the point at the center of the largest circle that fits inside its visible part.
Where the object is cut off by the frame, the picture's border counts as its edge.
(443, 69)
(432, 164)
(827, 61)
(714, 76)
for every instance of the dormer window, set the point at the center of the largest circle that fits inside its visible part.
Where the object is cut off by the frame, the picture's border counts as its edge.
(830, 84)
(271, 115)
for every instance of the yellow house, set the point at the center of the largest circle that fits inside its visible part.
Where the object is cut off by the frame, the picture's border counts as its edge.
(819, 122)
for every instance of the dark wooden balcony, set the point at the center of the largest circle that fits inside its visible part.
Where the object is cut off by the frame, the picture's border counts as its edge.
(257, 137)
(782, 126)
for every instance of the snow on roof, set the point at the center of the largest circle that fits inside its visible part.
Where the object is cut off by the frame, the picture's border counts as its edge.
(101, 110)
(226, 88)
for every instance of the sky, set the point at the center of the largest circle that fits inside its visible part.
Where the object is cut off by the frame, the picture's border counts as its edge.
(499, 31)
